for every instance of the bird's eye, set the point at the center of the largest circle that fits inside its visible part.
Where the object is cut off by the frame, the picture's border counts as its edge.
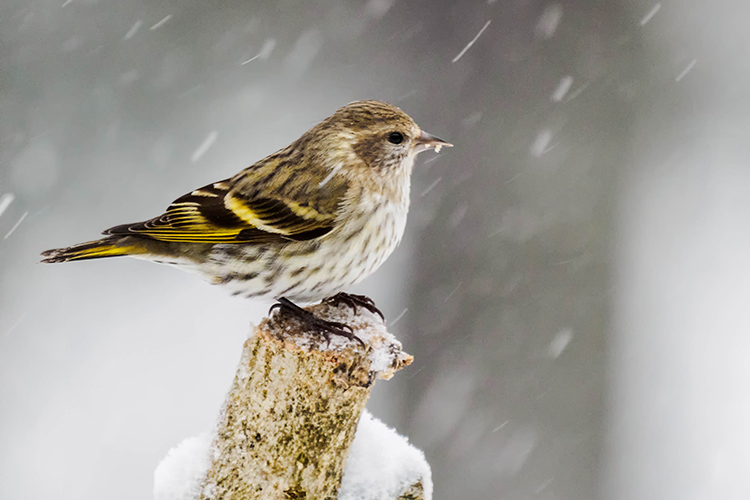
(395, 137)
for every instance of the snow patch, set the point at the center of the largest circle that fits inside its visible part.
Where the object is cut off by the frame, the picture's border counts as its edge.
(382, 464)
(179, 475)
(384, 352)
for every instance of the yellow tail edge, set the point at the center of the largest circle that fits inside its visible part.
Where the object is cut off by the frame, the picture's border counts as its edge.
(91, 250)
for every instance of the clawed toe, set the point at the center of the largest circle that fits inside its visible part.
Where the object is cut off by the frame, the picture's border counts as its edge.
(325, 327)
(354, 301)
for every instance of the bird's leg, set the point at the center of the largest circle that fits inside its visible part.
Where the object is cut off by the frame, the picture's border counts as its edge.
(326, 328)
(353, 300)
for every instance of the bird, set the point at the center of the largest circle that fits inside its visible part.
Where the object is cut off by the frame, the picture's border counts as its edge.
(300, 225)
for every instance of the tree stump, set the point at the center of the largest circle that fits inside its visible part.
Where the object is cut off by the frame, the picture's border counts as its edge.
(292, 411)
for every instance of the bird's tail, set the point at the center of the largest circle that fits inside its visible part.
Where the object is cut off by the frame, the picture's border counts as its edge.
(106, 247)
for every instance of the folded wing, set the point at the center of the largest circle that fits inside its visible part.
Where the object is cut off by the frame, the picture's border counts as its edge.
(217, 213)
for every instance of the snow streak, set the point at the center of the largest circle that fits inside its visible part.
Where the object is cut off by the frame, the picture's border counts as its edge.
(468, 46)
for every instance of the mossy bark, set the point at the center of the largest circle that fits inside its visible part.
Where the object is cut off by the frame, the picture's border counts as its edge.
(292, 412)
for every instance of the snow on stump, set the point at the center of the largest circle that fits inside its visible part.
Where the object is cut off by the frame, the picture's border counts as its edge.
(290, 417)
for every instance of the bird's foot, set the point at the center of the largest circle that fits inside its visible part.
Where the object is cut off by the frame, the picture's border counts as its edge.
(354, 301)
(325, 327)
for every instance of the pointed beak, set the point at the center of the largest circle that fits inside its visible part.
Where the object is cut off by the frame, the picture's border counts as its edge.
(427, 141)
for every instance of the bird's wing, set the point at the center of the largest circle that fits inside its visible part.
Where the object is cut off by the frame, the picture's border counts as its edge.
(230, 212)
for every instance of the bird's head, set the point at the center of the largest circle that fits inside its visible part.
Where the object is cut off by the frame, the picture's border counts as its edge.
(379, 135)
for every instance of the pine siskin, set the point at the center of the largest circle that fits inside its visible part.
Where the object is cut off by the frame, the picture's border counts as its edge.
(301, 224)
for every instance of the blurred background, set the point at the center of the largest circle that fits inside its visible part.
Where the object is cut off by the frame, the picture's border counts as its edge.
(574, 279)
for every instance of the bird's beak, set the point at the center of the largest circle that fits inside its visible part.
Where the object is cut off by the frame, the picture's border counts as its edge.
(427, 141)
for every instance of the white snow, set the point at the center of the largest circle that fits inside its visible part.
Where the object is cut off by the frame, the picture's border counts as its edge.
(430, 187)
(578, 91)
(399, 316)
(384, 349)
(543, 486)
(496, 429)
(382, 464)
(330, 175)
(457, 215)
(5, 201)
(265, 51)
(560, 342)
(15, 325)
(378, 8)
(650, 14)
(541, 143)
(562, 88)
(15, 226)
(267, 48)
(468, 46)
(161, 23)
(179, 475)
(472, 120)
(685, 71)
(133, 30)
(303, 53)
(204, 146)
(256, 56)
(381, 357)
(549, 21)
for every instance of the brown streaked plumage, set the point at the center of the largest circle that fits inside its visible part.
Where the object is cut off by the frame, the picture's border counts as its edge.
(303, 223)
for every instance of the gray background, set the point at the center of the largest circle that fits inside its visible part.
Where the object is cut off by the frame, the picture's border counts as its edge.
(574, 278)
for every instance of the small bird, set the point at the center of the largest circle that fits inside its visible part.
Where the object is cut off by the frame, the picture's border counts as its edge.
(301, 224)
